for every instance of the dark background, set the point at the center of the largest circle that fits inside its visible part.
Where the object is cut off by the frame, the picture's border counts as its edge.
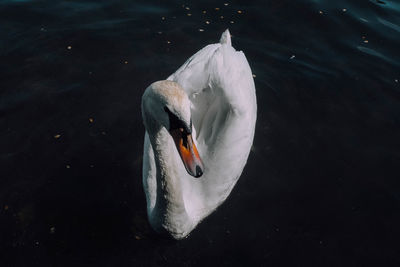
(321, 187)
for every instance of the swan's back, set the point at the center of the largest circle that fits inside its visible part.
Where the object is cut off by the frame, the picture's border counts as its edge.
(220, 85)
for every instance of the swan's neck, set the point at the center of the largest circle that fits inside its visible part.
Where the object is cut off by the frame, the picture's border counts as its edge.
(169, 211)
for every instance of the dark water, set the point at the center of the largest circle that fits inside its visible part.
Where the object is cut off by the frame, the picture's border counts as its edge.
(321, 187)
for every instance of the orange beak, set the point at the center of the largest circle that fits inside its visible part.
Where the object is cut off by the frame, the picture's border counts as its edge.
(188, 152)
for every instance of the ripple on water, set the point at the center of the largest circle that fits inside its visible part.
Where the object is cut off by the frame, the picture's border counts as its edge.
(372, 52)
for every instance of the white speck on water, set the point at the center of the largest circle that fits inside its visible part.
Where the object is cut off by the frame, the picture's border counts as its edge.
(201, 30)
(292, 57)
(362, 19)
(344, 9)
(396, 80)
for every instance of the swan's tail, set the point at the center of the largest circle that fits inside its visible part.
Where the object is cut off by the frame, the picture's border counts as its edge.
(226, 38)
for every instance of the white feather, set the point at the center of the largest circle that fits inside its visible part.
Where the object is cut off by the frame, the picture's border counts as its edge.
(220, 87)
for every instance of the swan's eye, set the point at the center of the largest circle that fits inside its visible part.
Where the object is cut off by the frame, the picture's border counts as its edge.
(185, 140)
(177, 123)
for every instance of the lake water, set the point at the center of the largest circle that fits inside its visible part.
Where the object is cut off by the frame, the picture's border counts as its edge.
(322, 183)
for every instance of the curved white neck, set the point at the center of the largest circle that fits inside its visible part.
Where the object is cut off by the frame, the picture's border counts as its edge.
(169, 211)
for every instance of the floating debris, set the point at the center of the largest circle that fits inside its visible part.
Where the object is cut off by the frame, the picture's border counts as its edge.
(207, 22)
(69, 47)
(189, 14)
(254, 75)
(344, 9)
(187, 8)
(231, 21)
(320, 12)
(396, 80)
(363, 37)
(137, 237)
(225, 4)
(168, 42)
(159, 32)
(239, 11)
(57, 136)
(91, 120)
(222, 17)
(204, 12)
(292, 57)
(366, 41)
(163, 18)
(217, 8)
(52, 230)
(201, 30)
(68, 166)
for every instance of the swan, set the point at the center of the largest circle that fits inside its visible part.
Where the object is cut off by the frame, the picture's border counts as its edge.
(200, 126)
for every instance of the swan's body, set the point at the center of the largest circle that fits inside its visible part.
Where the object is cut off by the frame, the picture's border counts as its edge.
(214, 89)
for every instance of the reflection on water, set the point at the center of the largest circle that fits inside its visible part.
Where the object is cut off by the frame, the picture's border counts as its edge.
(321, 185)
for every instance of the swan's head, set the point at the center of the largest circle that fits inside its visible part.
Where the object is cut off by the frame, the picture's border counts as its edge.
(165, 103)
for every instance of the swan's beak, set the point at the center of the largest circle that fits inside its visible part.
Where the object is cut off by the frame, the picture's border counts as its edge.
(188, 152)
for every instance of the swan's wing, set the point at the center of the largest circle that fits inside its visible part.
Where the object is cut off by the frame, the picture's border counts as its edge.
(220, 85)
(193, 75)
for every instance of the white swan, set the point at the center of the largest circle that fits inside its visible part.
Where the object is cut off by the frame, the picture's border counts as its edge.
(210, 102)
